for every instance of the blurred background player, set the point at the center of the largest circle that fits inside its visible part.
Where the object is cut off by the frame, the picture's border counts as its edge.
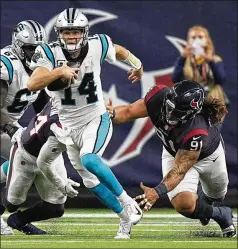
(199, 62)
(15, 97)
(23, 172)
(193, 150)
(81, 106)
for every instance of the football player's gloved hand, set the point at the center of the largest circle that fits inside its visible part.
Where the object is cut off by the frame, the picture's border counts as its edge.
(10, 129)
(69, 190)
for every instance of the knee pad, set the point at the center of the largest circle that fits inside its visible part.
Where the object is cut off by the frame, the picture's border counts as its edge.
(91, 161)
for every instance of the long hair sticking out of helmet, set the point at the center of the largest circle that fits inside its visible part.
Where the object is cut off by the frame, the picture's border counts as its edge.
(72, 19)
(26, 36)
(214, 110)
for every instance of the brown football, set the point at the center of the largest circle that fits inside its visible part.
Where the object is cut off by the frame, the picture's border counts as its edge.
(58, 84)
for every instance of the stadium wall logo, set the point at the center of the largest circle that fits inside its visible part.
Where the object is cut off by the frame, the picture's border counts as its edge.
(142, 129)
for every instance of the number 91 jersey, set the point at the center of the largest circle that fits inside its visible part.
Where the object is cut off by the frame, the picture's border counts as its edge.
(83, 100)
(16, 77)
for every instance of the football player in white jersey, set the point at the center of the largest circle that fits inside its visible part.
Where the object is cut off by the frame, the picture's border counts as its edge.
(82, 111)
(15, 97)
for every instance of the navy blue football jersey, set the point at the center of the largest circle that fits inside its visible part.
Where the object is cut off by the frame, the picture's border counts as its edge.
(38, 130)
(195, 134)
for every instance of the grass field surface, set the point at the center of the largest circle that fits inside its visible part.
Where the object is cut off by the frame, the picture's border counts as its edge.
(95, 228)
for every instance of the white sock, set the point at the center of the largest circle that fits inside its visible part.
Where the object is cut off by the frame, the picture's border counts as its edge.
(124, 198)
(123, 215)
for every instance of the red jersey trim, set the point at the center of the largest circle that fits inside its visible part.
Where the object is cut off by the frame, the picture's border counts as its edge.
(194, 133)
(153, 91)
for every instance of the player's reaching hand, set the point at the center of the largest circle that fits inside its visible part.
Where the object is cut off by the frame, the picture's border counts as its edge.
(135, 74)
(147, 199)
(68, 188)
(110, 108)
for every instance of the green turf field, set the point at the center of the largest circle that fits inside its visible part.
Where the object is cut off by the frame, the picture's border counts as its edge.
(94, 228)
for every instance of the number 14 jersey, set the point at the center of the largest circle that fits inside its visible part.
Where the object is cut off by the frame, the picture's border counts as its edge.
(83, 100)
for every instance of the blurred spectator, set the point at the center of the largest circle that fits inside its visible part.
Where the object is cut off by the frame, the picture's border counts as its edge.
(199, 62)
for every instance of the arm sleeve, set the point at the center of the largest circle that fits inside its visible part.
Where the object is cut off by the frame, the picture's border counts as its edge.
(108, 49)
(45, 161)
(43, 57)
(218, 72)
(41, 101)
(178, 69)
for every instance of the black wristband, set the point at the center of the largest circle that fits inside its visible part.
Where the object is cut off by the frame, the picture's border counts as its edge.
(113, 113)
(161, 189)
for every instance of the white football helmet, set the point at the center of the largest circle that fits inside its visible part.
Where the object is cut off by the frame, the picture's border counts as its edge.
(72, 19)
(26, 36)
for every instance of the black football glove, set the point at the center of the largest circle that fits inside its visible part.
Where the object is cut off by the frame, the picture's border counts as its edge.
(10, 129)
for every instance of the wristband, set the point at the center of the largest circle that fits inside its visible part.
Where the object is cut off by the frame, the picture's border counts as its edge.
(161, 189)
(133, 61)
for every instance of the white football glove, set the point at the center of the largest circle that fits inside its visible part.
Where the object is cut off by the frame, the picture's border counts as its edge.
(69, 190)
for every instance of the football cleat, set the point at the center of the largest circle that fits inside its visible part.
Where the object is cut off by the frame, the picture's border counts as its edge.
(225, 222)
(133, 211)
(229, 232)
(124, 231)
(5, 229)
(28, 229)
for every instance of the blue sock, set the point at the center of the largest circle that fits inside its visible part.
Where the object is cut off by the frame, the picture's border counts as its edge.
(107, 197)
(94, 164)
(4, 170)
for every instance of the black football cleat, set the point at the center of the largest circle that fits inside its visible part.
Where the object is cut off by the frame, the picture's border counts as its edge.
(226, 223)
(28, 229)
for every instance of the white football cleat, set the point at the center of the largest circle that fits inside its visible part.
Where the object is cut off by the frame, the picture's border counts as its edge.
(133, 211)
(124, 231)
(5, 229)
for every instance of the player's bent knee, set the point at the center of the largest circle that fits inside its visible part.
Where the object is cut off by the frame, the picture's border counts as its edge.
(59, 210)
(56, 210)
(185, 203)
(91, 162)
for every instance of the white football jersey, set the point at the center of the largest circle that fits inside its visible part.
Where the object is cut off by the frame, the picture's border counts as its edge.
(82, 101)
(18, 96)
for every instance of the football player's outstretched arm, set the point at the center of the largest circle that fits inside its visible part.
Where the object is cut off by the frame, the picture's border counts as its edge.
(184, 160)
(126, 113)
(124, 55)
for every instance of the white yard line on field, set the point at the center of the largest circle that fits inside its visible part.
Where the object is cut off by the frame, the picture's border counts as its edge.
(84, 215)
(114, 241)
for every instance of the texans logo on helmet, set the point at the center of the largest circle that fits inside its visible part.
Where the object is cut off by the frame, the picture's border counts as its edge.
(142, 129)
(194, 104)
